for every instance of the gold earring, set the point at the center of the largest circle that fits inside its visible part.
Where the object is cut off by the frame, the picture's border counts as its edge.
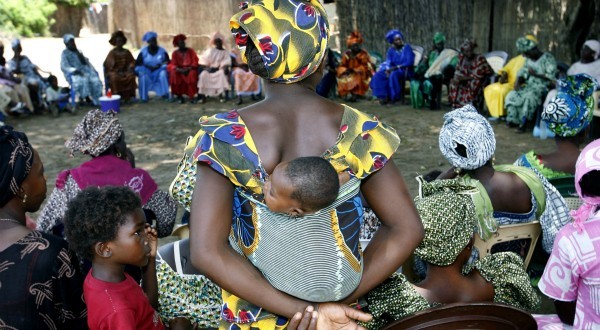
(24, 198)
(457, 170)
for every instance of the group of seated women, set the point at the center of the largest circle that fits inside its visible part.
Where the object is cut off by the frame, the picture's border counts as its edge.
(301, 269)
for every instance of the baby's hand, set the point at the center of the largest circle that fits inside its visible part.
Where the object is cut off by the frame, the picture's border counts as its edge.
(152, 237)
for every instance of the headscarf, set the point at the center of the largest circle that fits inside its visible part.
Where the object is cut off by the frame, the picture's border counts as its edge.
(439, 37)
(290, 35)
(15, 43)
(115, 35)
(572, 109)
(589, 160)
(149, 35)
(354, 38)
(215, 36)
(96, 132)
(468, 44)
(526, 43)
(392, 34)
(67, 37)
(466, 127)
(16, 159)
(448, 215)
(594, 45)
(177, 38)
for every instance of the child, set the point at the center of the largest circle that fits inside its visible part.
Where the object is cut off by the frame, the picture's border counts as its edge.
(301, 186)
(572, 272)
(57, 97)
(107, 225)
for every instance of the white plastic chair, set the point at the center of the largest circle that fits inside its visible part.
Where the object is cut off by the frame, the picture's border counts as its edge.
(507, 233)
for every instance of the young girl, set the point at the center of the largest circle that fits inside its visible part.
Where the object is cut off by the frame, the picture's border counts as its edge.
(107, 226)
(572, 274)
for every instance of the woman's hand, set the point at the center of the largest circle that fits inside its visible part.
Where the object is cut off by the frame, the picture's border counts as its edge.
(306, 321)
(339, 316)
(152, 237)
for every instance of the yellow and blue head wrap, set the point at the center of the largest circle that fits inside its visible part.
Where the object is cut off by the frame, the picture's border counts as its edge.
(290, 35)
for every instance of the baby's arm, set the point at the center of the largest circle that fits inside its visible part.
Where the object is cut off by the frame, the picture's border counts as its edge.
(149, 281)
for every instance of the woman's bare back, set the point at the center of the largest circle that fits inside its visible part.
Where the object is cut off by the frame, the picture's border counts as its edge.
(283, 128)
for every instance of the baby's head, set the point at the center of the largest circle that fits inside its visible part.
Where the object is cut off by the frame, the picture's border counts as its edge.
(107, 224)
(301, 186)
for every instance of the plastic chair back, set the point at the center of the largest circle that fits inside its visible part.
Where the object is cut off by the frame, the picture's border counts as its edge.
(182, 231)
(573, 202)
(506, 233)
(376, 58)
(467, 316)
(497, 59)
(565, 186)
(418, 51)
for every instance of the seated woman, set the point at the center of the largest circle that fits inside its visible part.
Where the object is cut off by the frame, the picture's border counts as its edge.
(118, 68)
(41, 283)
(151, 68)
(387, 84)
(494, 94)
(183, 70)
(430, 74)
(471, 75)
(568, 116)
(233, 155)
(186, 298)
(21, 65)
(531, 85)
(79, 72)
(448, 215)
(507, 194)
(571, 274)
(215, 63)
(355, 70)
(329, 79)
(101, 136)
(245, 82)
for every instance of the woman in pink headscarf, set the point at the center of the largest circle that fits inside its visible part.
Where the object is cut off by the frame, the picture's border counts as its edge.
(572, 272)
(215, 63)
(183, 70)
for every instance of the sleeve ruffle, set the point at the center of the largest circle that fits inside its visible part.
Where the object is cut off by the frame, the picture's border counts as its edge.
(364, 144)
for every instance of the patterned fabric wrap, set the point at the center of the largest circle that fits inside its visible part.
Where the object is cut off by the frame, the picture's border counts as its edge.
(589, 160)
(193, 297)
(392, 34)
(526, 43)
(178, 38)
(594, 45)
(466, 127)
(68, 37)
(572, 109)
(354, 38)
(439, 37)
(149, 35)
(396, 297)
(506, 272)
(16, 156)
(96, 132)
(290, 35)
(364, 145)
(448, 215)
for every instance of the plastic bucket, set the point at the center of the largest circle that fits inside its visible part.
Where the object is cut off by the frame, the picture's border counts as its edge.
(110, 103)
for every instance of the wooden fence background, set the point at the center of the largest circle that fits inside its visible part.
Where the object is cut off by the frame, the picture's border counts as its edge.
(561, 26)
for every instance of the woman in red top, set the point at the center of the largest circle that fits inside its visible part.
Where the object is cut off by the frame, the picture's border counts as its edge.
(183, 70)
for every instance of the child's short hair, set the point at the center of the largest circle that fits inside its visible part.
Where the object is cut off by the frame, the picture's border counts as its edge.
(52, 78)
(96, 214)
(315, 181)
(589, 184)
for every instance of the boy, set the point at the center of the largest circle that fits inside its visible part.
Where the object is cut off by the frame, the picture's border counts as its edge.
(57, 97)
(107, 226)
(301, 186)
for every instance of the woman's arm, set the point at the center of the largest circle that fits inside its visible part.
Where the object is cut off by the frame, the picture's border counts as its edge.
(210, 224)
(566, 311)
(400, 232)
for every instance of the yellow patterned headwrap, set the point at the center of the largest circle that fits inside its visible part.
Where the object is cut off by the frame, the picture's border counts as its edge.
(291, 36)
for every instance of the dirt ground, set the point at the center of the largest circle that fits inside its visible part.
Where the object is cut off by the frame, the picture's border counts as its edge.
(156, 132)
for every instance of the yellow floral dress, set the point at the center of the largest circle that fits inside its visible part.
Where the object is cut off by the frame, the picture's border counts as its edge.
(279, 246)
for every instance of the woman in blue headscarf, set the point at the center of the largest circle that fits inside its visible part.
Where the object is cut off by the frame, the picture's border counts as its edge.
(388, 83)
(151, 68)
